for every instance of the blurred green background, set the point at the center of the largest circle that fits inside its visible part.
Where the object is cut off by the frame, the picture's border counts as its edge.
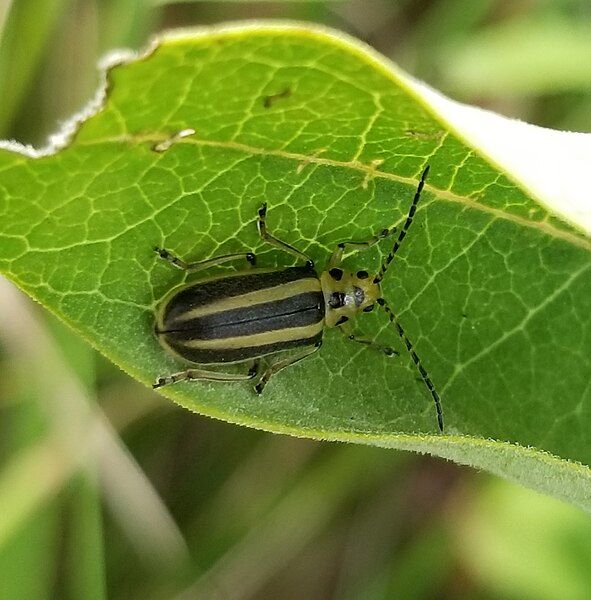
(109, 491)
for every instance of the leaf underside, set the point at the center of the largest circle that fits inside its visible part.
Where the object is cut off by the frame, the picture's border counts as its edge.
(494, 292)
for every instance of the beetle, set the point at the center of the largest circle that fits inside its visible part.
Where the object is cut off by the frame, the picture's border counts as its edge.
(251, 315)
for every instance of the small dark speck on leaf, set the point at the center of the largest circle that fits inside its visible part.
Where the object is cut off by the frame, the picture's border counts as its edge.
(268, 101)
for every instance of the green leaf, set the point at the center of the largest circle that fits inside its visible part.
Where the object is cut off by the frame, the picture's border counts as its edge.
(494, 290)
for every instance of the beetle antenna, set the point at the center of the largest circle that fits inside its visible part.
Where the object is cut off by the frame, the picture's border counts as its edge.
(416, 360)
(405, 228)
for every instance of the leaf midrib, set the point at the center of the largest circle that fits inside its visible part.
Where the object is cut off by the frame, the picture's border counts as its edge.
(369, 171)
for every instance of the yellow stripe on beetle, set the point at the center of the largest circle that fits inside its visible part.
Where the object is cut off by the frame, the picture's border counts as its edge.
(259, 339)
(263, 296)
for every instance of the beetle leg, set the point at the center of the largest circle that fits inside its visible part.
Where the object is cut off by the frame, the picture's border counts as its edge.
(255, 369)
(281, 364)
(337, 256)
(271, 239)
(347, 331)
(203, 264)
(204, 375)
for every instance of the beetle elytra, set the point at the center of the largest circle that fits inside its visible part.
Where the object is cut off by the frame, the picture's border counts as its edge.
(252, 315)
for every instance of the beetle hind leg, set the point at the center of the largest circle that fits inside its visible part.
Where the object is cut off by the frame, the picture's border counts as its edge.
(204, 375)
(281, 364)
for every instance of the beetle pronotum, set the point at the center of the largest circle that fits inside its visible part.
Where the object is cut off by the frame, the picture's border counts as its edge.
(251, 315)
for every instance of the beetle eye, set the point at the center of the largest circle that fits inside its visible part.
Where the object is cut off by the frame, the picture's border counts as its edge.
(369, 308)
(362, 274)
(359, 295)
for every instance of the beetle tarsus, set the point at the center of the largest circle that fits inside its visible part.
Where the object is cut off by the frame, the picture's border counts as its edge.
(160, 382)
(391, 352)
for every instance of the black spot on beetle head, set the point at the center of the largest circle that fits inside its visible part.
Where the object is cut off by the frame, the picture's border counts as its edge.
(336, 274)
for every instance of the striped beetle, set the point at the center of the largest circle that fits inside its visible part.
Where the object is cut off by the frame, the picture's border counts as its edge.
(253, 314)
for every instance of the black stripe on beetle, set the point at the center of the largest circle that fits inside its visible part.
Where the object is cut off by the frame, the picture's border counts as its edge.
(207, 292)
(295, 311)
(240, 353)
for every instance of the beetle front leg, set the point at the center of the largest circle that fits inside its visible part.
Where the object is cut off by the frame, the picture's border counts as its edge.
(179, 263)
(346, 330)
(337, 256)
(281, 364)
